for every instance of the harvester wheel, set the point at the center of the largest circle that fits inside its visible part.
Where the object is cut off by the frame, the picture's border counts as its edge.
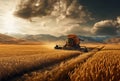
(57, 47)
(85, 50)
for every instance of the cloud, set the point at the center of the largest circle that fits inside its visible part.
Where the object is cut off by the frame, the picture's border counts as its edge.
(61, 9)
(56, 17)
(106, 27)
(118, 21)
(77, 29)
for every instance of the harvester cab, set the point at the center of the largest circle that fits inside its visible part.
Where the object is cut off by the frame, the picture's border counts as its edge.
(72, 43)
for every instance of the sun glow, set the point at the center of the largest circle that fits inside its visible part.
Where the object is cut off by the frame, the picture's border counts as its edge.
(10, 25)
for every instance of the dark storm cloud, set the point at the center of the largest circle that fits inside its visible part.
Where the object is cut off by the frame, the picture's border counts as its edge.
(29, 8)
(103, 9)
(64, 12)
(106, 27)
(100, 9)
(59, 8)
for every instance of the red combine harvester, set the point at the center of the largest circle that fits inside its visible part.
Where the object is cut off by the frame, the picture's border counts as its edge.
(73, 43)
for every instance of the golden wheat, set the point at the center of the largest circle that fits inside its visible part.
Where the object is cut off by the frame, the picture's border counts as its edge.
(103, 66)
(59, 72)
(19, 58)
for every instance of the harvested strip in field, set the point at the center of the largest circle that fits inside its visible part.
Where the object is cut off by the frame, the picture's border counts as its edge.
(59, 72)
(112, 47)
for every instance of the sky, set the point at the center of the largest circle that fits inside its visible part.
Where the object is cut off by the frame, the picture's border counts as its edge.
(60, 17)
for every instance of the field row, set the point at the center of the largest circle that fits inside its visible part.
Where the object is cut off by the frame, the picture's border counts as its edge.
(103, 66)
(59, 72)
(17, 59)
(112, 47)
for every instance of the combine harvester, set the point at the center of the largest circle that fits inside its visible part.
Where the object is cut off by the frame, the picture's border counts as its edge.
(73, 43)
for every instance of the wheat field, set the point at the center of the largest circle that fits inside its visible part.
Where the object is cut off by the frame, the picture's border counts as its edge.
(15, 59)
(103, 66)
(43, 63)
